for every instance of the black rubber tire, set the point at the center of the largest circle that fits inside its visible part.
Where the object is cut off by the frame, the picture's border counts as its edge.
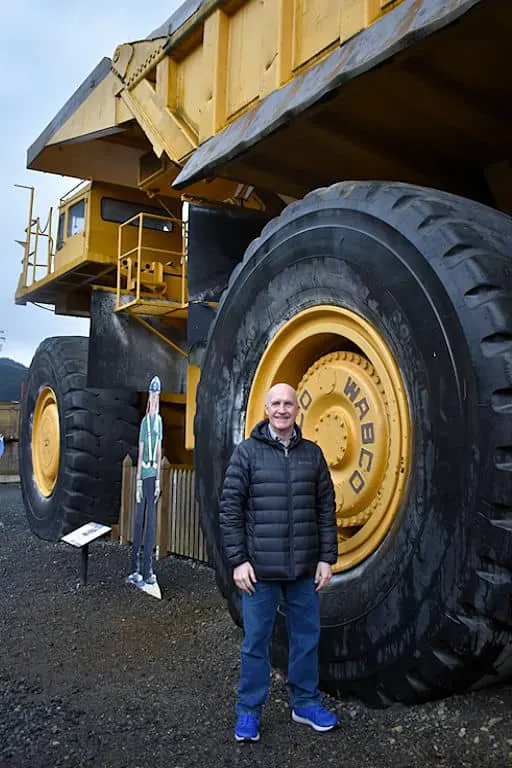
(430, 611)
(97, 429)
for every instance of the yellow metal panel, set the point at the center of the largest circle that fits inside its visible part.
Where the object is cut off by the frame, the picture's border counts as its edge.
(244, 56)
(317, 27)
(96, 113)
(73, 250)
(173, 397)
(103, 234)
(270, 17)
(189, 87)
(285, 48)
(352, 18)
(75, 247)
(216, 68)
(133, 61)
(166, 82)
(215, 52)
(99, 160)
(158, 123)
(123, 114)
(386, 4)
(193, 373)
(103, 243)
(377, 8)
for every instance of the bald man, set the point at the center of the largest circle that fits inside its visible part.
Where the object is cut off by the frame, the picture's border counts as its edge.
(278, 527)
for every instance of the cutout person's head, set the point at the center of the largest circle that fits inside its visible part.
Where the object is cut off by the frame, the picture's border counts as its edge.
(154, 395)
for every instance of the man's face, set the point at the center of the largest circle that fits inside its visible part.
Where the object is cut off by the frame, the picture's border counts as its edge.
(282, 408)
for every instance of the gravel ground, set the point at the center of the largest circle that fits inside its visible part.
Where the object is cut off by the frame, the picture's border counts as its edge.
(109, 677)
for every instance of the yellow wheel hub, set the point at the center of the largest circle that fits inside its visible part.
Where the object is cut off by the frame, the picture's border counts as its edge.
(353, 405)
(46, 441)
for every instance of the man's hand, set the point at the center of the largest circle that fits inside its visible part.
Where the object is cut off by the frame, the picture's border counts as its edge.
(157, 490)
(244, 578)
(323, 575)
(138, 491)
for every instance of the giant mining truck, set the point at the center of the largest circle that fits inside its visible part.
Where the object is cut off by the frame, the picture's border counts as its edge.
(317, 192)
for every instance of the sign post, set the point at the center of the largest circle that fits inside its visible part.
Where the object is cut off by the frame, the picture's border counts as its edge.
(81, 538)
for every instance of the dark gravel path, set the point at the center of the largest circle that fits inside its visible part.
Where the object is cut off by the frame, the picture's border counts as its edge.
(106, 676)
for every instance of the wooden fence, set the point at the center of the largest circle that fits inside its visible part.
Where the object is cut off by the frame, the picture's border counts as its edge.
(9, 465)
(178, 531)
(9, 428)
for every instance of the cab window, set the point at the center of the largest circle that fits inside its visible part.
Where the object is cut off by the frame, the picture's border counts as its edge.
(60, 231)
(76, 218)
(120, 211)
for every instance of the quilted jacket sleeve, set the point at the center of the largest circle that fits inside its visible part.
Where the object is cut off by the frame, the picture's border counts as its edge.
(233, 503)
(326, 512)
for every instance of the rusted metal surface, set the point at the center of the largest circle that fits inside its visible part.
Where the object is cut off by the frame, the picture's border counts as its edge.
(409, 23)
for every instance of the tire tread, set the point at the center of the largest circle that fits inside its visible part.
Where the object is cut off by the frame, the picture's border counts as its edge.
(100, 429)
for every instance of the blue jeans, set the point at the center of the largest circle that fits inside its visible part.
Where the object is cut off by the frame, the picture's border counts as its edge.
(147, 504)
(302, 605)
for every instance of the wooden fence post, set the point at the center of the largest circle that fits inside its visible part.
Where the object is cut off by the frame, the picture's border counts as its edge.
(162, 511)
(126, 501)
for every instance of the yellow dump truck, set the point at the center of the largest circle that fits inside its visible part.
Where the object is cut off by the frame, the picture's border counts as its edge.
(317, 192)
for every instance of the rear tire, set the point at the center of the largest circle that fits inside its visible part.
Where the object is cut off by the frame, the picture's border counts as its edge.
(429, 612)
(97, 429)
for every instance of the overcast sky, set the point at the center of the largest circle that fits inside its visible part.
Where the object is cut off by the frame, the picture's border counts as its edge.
(46, 50)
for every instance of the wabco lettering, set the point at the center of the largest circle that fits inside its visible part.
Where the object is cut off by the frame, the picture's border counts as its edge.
(305, 401)
(356, 481)
(352, 391)
(369, 456)
(363, 407)
(365, 461)
(367, 433)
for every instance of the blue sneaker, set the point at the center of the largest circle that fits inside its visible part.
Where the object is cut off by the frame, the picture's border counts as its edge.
(247, 728)
(317, 717)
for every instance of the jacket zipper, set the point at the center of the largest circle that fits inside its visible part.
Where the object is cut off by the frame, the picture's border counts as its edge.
(290, 512)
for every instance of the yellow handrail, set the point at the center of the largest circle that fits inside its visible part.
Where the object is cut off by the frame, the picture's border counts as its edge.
(133, 283)
(33, 232)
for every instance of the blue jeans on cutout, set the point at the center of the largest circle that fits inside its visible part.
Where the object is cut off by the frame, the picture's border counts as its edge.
(147, 503)
(302, 605)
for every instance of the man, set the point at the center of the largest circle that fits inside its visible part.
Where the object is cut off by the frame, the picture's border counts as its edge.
(278, 526)
(147, 488)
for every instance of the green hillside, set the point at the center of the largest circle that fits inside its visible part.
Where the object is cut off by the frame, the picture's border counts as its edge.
(12, 375)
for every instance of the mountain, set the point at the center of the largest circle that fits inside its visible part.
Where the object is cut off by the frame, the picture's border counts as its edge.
(12, 375)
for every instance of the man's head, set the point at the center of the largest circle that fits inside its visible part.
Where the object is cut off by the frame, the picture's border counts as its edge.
(282, 408)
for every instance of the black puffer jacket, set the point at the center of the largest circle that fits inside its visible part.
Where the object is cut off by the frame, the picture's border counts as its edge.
(277, 508)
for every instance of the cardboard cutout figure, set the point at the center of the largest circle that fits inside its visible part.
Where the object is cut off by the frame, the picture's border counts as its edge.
(147, 494)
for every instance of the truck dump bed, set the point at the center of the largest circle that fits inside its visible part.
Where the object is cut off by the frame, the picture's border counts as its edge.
(289, 99)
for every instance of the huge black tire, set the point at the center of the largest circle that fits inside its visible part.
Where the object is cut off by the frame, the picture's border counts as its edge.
(429, 612)
(97, 429)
